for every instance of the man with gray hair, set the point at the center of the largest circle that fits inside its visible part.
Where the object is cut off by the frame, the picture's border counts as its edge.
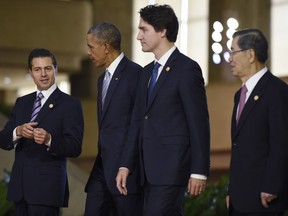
(116, 95)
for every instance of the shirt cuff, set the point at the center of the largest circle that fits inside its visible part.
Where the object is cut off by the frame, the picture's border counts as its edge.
(197, 176)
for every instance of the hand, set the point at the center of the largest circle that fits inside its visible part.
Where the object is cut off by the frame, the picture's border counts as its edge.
(267, 198)
(227, 201)
(41, 136)
(195, 186)
(121, 180)
(26, 130)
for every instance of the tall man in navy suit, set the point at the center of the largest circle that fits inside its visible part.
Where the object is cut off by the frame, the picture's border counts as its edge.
(116, 96)
(42, 141)
(170, 127)
(258, 169)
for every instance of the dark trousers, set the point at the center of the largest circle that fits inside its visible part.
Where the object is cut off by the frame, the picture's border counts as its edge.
(163, 200)
(234, 212)
(22, 208)
(100, 201)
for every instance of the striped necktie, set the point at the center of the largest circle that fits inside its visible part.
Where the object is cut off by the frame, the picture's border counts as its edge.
(36, 106)
(105, 86)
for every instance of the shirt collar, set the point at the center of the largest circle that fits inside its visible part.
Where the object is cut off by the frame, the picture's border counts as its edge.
(48, 92)
(252, 81)
(166, 56)
(112, 67)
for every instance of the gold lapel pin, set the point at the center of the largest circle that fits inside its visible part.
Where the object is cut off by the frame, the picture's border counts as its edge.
(51, 106)
(256, 97)
(167, 69)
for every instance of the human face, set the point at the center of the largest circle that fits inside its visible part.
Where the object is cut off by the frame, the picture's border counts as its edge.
(239, 61)
(148, 37)
(43, 72)
(97, 51)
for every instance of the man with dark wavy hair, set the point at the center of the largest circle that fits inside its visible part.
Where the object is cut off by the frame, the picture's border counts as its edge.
(170, 123)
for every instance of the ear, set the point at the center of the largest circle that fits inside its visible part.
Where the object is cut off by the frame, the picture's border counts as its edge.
(163, 33)
(252, 55)
(107, 47)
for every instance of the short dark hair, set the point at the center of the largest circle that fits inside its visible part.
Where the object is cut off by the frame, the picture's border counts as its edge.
(40, 52)
(161, 17)
(107, 33)
(253, 39)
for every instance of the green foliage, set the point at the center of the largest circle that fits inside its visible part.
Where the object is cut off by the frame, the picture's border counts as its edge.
(211, 202)
(6, 207)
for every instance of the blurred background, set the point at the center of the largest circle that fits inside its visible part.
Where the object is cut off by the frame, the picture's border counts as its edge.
(205, 32)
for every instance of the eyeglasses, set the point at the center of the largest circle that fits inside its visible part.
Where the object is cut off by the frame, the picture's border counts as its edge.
(231, 53)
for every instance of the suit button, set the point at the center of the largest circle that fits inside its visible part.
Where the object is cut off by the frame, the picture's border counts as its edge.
(146, 117)
(234, 144)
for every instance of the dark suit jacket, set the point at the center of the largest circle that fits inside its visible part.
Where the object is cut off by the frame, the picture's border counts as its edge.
(172, 129)
(38, 174)
(113, 124)
(259, 147)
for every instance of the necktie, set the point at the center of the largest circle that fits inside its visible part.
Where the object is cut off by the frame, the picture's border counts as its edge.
(106, 82)
(153, 79)
(242, 101)
(36, 106)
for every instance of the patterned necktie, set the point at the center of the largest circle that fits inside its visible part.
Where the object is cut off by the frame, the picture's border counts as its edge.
(153, 79)
(105, 86)
(242, 101)
(36, 106)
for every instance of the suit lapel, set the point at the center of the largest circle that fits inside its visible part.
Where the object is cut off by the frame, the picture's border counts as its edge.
(30, 102)
(51, 103)
(167, 69)
(253, 99)
(113, 84)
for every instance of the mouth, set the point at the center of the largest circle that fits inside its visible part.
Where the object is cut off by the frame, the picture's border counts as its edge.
(44, 81)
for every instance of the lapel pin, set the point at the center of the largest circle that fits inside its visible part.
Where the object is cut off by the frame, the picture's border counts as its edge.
(256, 97)
(116, 78)
(51, 106)
(167, 69)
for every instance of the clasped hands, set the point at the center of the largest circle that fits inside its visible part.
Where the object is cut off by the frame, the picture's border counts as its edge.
(195, 186)
(30, 131)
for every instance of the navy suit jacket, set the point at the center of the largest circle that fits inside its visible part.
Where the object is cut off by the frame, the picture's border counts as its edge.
(260, 147)
(113, 124)
(38, 174)
(171, 131)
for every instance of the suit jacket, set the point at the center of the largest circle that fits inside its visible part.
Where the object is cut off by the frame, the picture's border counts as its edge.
(259, 147)
(171, 130)
(38, 173)
(113, 124)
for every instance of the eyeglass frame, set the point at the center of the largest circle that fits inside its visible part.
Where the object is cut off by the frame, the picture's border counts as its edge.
(231, 53)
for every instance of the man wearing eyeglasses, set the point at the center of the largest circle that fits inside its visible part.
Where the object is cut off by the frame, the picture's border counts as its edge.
(258, 183)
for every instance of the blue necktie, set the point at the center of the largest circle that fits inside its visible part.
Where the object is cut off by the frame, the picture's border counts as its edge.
(153, 79)
(36, 106)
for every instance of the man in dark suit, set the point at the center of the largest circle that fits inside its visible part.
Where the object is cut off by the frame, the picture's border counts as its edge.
(114, 107)
(258, 170)
(42, 140)
(170, 127)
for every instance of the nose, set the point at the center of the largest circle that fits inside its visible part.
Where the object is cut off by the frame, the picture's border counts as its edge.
(230, 58)
(139, 36)
(88, 52)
